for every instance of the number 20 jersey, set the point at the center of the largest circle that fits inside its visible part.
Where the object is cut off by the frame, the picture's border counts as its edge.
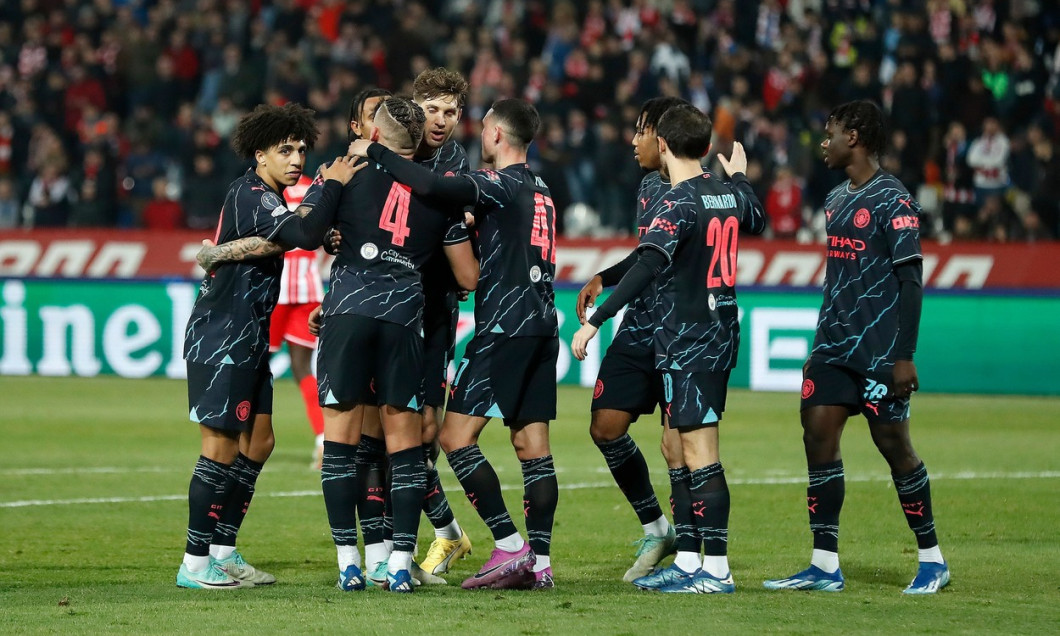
(387, 236)
(516, 224)
(696, 227)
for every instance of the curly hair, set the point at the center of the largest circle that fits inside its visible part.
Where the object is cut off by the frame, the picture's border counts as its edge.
(401, 121)
(653, 109)
(865, 117)
(267, 126)
(440, 82)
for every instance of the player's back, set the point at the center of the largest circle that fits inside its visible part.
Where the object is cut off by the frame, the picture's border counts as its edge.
(517, 239)
(388, 235)
(696, 314)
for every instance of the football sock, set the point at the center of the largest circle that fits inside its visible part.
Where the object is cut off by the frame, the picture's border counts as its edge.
(308, 387)
(374, 554)
(221, 552)
(399, 560)
(540, 496)
(372, 494)
(483, 489)
(681, 509)
(196, 563)
(451, 532)
(710, 509)
(206, 495)
(930, 555)
(435, 504)
(241, 479)
(716, 566)
(630, 471)
(914, 492)
(347, 555)
(542, 563)
(825, 560)
(338, 480)
(824, 500)
(688, 561)
(406, 493)
(659, 527)
(510, 543)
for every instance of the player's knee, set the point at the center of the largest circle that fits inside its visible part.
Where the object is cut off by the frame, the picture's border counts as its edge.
(429, 431)
(604, 428)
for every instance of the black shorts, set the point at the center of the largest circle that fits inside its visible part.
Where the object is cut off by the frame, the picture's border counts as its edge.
(694, 398)
(628, 381)
(831, 385)
(226, 397)
(361, 360)
(439, 346)
(510, 378)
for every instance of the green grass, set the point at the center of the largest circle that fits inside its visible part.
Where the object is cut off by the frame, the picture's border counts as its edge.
(108, 566)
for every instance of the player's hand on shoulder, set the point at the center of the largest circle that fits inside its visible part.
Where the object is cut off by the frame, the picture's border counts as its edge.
(342, 169)
(579, 345)
(314, 321)
(358, 148)
(587, 296)
(906, 381)
(737, 161)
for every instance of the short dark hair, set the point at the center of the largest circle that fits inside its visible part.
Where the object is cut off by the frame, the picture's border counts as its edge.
(686, 130)
(360, 98)
(519, 117)
(439, 82)
(267, 126)
(653, 109)
(865, 117)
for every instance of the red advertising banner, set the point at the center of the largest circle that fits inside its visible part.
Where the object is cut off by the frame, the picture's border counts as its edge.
(141, 254)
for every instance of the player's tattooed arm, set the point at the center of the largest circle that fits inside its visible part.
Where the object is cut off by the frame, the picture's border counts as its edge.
(250, 247)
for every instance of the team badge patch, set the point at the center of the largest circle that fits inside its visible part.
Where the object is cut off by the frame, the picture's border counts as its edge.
(807, 388)
(243, 411)
(535, 274)
(369, 251)
(861, 218)
(272, 201)
(599, 390)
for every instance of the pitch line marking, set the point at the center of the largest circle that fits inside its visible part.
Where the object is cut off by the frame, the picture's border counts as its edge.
(763, 481)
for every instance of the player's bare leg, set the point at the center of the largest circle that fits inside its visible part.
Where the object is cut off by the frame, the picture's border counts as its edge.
(338, 479)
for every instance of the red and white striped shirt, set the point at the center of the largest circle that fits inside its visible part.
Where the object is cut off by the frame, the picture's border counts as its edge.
(300, 282)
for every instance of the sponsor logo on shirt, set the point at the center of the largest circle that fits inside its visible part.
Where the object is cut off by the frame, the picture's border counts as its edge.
(392, 256)
(844, 247)
(905, 222)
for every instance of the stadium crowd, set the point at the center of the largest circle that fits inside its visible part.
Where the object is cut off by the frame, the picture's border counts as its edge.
(118, 112)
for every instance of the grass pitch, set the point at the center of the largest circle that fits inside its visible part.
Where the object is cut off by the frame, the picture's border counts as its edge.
(94, 476)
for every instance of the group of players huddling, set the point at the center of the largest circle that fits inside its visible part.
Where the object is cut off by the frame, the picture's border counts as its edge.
(413, 229)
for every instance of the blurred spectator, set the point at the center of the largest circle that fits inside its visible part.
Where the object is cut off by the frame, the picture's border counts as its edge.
(10, 210)
(784, 204)
(988, 157)
(203, 193)
(162, 212)
(49, 198)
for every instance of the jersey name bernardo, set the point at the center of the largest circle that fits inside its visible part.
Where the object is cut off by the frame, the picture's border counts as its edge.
(718, 201)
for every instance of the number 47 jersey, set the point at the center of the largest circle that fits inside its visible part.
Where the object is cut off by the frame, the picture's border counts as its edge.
(388, 234)
(696, 227)
(516, 224)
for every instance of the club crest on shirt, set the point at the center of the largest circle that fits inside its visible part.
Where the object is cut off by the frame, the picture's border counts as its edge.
(535, 274)
(369, 251)
(272, 201)
(861, 218)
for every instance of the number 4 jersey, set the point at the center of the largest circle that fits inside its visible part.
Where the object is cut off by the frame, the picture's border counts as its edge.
(516, 225)
(388, 234)
(697, 227)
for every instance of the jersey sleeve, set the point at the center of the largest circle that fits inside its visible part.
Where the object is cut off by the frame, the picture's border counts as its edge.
(902, 229)
(495, 189)
(312, 193)
(456, 234)
(667, 227)
(260, 212)
(752, 214)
